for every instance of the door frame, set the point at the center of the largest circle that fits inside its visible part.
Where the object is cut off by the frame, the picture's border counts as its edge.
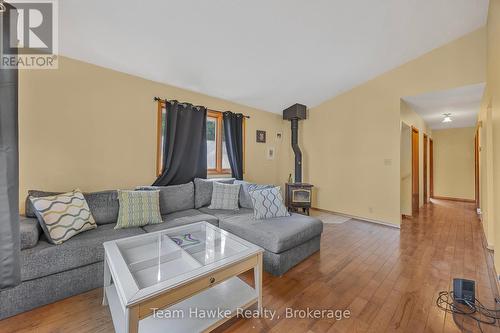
(415, 169)
(431, 168)
(425, 161)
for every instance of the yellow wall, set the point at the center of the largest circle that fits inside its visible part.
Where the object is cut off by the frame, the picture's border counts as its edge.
(486, 195)
(94, 128)
(351, 142)
(489, 135)
(454, 163)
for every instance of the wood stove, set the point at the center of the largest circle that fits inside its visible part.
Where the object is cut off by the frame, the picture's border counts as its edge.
(298, 195)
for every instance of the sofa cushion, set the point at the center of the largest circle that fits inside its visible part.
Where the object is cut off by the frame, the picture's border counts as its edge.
(83, 249)
(174, 198)
(30, 231)
(277, 234)
(103, 205)
(203, 190)
(222, 213)
(183, 217)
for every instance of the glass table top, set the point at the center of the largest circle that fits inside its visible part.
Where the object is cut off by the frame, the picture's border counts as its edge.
(158, 257)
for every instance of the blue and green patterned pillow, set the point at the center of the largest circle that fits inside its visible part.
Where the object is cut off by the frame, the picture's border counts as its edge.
(138, 208)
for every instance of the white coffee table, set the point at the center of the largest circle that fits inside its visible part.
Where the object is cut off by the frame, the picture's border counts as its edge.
(172, 280)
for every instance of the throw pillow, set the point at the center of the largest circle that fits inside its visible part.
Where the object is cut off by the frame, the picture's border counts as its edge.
(203, 189)
(138, 208)
(64, 215)
(246, 187)
(225, 196)
(268, 203)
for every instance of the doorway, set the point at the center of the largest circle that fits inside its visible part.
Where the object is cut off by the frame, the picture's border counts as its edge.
(415, 193)
(426, 140)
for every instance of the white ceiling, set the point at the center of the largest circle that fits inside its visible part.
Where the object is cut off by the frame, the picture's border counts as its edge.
(463, 103)
(264, 53)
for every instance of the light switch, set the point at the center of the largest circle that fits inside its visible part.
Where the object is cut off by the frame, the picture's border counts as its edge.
(388, 162)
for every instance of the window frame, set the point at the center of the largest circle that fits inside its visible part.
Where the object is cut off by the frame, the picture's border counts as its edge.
(218, 170)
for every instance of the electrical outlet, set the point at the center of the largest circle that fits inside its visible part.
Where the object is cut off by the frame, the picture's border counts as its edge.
(370, 209)
(388, 162)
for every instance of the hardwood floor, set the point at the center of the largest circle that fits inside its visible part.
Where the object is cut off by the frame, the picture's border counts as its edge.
(387, 280)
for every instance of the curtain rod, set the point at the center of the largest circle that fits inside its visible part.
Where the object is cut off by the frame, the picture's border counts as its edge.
(158, 99)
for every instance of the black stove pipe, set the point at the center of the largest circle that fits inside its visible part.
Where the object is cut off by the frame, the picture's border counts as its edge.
(295, 113)
(296, 150)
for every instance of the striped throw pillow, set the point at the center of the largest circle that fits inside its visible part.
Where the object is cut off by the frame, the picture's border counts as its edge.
(64, 215)
(138, 208)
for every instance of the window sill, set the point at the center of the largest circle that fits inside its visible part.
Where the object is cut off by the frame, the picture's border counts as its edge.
(218, 175)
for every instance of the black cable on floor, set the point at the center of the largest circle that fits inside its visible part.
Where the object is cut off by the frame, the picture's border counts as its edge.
(476, 311)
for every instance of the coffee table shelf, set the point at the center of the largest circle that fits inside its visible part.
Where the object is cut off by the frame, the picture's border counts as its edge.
(230, 294)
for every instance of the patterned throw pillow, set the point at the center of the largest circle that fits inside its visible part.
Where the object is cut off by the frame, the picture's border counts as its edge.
(64, 215)
(268, 203)
(225, 196)
(246, 188)
(138, 208)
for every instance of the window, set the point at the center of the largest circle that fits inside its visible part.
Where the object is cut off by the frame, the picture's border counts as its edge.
(217, 159)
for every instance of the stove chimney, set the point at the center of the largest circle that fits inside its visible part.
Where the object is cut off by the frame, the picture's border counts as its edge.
(295, 113)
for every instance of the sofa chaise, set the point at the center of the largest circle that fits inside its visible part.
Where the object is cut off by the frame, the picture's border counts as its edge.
(53, 272)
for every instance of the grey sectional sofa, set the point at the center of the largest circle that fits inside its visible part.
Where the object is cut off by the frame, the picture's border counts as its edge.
(52, 272)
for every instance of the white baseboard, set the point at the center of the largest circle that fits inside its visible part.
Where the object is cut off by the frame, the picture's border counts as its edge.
(359, 218)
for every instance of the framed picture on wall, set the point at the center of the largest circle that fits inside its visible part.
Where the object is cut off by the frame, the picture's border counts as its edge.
(261, 136)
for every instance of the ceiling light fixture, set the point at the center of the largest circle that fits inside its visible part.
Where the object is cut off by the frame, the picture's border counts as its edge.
(447, 118)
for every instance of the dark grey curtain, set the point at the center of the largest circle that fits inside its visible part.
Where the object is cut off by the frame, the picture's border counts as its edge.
(233, 133)
(185, 144)
(9, 174)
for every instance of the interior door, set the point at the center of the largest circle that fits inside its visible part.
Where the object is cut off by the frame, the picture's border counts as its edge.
(414, 170)
(426, 139)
